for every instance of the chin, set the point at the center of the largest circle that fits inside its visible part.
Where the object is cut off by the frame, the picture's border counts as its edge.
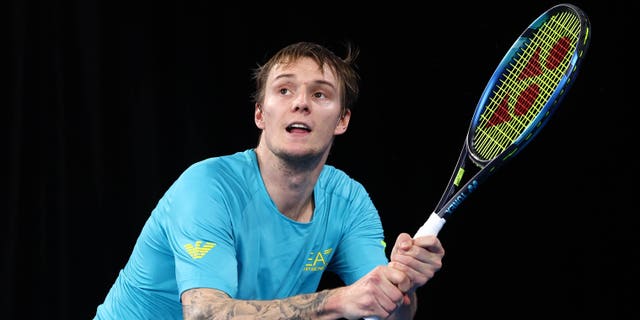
(301, 156)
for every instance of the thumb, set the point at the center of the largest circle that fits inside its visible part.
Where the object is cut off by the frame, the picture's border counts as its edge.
(403, 242)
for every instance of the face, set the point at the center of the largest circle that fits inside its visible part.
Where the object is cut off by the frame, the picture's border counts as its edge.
(301, 110)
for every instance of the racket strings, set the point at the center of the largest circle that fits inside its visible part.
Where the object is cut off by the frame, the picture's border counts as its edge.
(527, 85)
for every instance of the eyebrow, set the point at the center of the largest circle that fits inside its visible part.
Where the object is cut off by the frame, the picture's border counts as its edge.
(291, 75)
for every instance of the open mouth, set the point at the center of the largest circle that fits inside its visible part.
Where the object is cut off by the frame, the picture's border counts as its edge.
(298, 127)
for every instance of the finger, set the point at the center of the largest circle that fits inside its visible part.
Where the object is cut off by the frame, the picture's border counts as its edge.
(400, 281)
(420, 268)
(430, 243)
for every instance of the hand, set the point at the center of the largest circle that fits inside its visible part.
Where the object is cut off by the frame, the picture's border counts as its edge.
(418, 258)
(378, 293)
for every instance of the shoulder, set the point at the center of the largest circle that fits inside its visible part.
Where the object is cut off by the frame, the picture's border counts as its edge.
(216, 175)
(338, 183)
(221, 168)
(211, 185)
(238, 161)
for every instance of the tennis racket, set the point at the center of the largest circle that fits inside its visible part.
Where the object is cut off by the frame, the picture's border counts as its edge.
(521, 95)
(523, 92)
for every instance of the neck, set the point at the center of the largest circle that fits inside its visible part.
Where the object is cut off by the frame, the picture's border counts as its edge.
(290, 183)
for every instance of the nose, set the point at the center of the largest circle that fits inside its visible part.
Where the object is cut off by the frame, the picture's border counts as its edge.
(301, 102)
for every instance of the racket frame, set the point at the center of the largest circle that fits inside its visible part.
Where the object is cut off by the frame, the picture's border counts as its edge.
(471, 165)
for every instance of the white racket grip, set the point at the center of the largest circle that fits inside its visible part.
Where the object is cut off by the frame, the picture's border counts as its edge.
(431, 227)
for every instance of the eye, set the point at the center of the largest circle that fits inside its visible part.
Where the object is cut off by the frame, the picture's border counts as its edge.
(318, 95)
(283, 91)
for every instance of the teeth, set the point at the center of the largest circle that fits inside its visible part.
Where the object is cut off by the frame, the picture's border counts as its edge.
(298, 126)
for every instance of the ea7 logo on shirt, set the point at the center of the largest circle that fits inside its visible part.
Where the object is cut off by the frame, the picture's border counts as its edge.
(317, 260)
(198, 250)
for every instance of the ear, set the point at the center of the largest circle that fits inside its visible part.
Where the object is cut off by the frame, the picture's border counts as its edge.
(258, 116)
(343, 123)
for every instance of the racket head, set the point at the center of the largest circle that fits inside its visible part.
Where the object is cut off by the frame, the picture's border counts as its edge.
(528, 84)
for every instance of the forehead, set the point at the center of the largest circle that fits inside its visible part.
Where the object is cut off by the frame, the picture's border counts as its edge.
(303, 68)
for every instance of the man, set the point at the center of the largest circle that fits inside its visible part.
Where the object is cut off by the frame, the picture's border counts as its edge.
(249, 235)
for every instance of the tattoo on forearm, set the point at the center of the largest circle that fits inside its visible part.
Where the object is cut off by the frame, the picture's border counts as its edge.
(214, 304)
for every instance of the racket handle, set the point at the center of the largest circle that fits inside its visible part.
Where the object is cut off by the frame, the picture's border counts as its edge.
(431, 227)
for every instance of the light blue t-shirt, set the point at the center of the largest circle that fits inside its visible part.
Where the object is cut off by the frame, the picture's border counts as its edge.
(217, 227)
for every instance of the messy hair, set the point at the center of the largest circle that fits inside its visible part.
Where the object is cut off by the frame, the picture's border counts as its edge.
(344, 68)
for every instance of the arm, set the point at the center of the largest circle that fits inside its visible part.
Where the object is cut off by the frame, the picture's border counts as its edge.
(379, 292)
(204, 303)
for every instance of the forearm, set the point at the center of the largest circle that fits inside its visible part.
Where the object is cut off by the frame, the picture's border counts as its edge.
(214, 304)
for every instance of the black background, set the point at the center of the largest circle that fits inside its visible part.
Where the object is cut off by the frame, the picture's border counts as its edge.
(109, 102)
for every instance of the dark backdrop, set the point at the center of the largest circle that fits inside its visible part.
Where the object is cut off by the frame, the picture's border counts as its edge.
(107, 103)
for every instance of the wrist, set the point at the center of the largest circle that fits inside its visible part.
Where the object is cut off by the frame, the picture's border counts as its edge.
(330, 304)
